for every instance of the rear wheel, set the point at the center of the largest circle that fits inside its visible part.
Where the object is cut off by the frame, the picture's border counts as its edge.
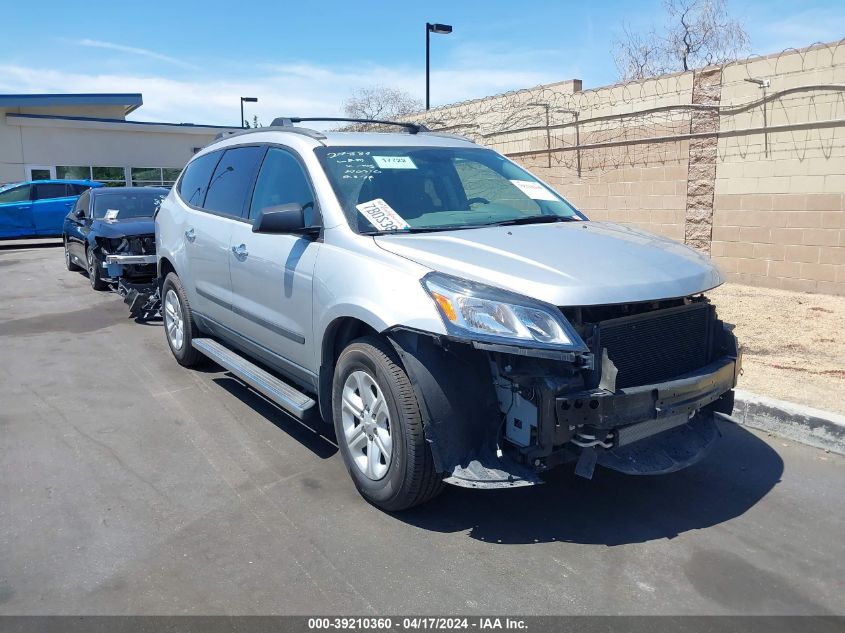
(69, 260)
(95, 271)
(179, 325)
(379, 428)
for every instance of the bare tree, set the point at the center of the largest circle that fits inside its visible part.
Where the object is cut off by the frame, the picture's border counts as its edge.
(697, 33)
(381, 102)
(639, 55)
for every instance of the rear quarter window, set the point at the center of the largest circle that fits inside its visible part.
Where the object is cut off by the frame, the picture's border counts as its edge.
(194, 181)
(76, 190)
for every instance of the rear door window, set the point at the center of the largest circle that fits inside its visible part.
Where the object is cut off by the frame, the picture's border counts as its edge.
(232, 181)
(194, 181)
(50, 190)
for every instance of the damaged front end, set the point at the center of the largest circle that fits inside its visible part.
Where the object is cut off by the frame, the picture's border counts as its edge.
(143, 299)
(639, 397)
(132, 258)
(130, 264)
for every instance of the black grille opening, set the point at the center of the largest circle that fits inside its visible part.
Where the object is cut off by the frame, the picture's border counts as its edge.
(657, 346)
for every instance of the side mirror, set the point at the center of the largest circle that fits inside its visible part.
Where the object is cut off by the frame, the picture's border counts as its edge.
(79, 213)
(283, 218)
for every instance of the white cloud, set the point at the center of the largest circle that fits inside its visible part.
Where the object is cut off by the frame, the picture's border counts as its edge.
(800, 29)
(133, 50)
(290, 89)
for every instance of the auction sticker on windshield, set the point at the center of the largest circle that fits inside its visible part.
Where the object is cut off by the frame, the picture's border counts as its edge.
(534, 190)
(111, 214)
(381, 215)
(394, 162)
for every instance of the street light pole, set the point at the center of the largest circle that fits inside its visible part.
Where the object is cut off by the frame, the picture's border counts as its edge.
(443, 29)
(248, 100)
(427, 65)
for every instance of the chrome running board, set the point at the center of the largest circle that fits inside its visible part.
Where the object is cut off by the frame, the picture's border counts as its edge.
(289, 398)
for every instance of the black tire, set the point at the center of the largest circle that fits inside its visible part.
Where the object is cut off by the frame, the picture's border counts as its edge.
(68, 261)
(411, 478)
(95, 271)
(186, 355)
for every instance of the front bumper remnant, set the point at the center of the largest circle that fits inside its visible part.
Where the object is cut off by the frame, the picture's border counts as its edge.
(143, 300)
(664, 452)
(130, 260)
(602, 409)
(491, 471)
(115, 265)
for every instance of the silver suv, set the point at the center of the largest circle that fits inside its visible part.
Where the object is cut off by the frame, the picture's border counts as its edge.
(454, 317)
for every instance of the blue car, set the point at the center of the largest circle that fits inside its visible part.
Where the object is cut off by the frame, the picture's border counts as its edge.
(38, 208)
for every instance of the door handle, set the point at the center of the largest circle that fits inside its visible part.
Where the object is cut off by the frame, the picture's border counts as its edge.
(240, 252)
(190, 235)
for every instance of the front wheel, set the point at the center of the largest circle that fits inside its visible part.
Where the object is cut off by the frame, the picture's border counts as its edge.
(379, 428)
(95, 271)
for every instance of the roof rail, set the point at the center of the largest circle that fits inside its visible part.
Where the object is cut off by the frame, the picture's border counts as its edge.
(287, 128)
(413, 128)
(448, 135)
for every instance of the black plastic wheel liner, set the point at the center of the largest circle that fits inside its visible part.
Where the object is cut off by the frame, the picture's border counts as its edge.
(454, 389)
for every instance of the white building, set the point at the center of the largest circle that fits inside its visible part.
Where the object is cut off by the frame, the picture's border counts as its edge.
(82, 136)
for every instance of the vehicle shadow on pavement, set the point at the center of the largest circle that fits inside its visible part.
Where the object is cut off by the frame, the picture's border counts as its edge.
(308, 433)
(612, 508)
(27, 245)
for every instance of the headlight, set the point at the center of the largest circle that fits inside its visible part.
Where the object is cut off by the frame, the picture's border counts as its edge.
(473, 310)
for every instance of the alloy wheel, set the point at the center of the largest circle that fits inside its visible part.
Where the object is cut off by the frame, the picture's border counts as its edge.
(366, 425)
(92, 267)
(174, 324)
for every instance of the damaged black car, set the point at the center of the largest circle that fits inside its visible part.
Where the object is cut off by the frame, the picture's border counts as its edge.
(110, 233)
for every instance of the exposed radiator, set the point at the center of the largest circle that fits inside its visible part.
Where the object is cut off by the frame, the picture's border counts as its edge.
(657, 346)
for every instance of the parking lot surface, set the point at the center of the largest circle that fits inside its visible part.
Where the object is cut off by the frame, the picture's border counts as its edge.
(129, 485)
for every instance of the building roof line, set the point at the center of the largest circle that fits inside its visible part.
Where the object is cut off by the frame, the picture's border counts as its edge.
(130, 100)
(121, 121)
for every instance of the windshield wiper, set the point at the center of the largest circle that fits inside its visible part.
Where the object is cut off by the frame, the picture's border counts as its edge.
(423, 229)
(536, 219)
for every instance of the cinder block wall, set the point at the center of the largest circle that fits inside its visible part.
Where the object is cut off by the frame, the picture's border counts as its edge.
(623, 180)
(779, 209)
(651, 196)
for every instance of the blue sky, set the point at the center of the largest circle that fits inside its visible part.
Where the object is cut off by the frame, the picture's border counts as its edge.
(192, 60)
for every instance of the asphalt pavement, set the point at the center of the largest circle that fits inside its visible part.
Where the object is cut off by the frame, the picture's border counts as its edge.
(129, 485)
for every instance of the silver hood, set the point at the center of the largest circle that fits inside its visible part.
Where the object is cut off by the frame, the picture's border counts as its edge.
(565, 264)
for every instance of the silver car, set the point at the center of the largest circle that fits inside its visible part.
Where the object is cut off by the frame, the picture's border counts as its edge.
(455, 318)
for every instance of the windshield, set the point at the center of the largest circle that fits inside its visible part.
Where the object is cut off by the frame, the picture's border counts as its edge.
(122, 205)
(386, 189)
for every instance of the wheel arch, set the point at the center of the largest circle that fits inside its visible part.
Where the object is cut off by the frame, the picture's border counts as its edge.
(165, 267)
(337, 335)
